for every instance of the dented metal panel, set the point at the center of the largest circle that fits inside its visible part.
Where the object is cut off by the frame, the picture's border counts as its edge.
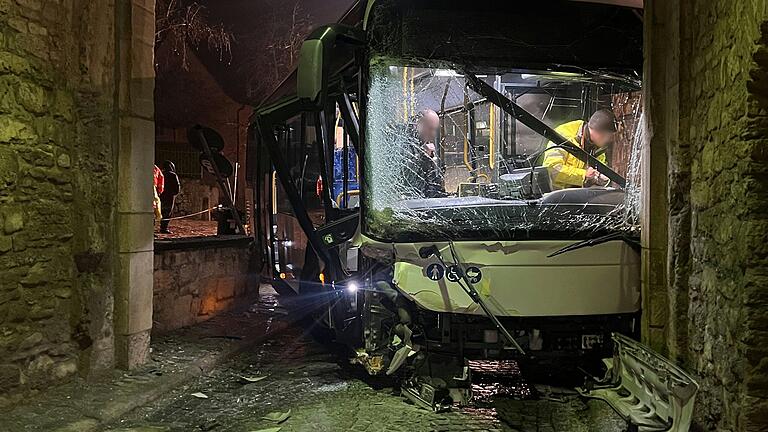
(648, 390)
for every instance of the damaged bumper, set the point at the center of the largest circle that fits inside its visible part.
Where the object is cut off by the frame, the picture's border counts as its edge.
(646, 389)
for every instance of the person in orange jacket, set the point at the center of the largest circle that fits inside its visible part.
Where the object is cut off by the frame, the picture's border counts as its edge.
(159, 185)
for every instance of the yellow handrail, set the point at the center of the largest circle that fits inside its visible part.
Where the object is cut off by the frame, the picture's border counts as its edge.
(274, 192)
(405, 94)
(466, 132)
(492, 137)
(353, 192)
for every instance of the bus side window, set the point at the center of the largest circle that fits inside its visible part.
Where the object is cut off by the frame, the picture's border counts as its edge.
(346, 186)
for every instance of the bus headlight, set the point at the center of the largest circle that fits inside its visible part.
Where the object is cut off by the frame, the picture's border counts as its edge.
(352, 287)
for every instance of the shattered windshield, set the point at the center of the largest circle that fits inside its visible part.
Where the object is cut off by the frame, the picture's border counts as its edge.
(446, 162)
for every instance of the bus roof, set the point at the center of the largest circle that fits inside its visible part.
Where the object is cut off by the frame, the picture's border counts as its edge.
(357, 14)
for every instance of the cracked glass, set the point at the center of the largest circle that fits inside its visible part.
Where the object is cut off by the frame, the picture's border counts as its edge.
(445, 163)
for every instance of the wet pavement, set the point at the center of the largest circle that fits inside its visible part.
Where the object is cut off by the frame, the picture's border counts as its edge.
(290, 374)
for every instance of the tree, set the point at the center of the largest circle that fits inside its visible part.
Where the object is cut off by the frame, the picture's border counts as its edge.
(274, 49)
(184, 24)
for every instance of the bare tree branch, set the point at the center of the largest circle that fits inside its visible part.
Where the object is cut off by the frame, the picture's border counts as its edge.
(184, 23)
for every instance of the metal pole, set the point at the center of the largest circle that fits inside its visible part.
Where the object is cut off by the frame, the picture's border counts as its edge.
(222, 185)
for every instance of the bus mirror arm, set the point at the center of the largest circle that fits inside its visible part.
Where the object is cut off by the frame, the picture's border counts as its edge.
(315, 58)
(541, 128)
(429, 251)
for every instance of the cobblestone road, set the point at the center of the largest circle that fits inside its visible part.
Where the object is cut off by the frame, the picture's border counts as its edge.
(324, 394)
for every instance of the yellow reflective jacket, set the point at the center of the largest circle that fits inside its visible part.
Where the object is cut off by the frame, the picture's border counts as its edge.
(565, 169)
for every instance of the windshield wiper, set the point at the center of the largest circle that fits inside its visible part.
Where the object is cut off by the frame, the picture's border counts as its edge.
(528, 119)
(632, 241)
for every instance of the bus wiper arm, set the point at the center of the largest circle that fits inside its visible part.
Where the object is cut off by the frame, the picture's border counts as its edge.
(596, 241)
(541, 128)
(469, 288)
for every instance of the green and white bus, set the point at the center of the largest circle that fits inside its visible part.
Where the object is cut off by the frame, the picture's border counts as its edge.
(496, 259)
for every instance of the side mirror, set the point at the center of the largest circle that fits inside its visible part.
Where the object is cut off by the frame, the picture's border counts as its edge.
(311, 73)
(320, 53)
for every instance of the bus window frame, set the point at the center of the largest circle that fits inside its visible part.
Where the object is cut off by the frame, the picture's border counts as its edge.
(268, 120)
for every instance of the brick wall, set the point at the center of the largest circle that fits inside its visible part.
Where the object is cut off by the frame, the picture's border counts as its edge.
(709, 103)
(193, 285)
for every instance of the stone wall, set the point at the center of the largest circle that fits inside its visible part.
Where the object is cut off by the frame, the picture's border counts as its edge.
(196, 196)
(196, 283)
(56, 181)
(71, 171)
(707, 79)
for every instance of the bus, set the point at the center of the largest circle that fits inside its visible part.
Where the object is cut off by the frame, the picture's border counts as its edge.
(454, 229)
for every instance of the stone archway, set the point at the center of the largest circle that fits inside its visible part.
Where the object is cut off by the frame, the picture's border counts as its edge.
(135, 37)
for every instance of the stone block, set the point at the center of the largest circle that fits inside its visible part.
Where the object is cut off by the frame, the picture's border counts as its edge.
(181, 312)
(13, 218)
(12, 130)
(165, 283)
(659, 307)
(133, 297)
(64, 161)
(132, 350)
(208, 304)
(10, 376)
(32, 97)
(34, 5)
(225, 287)
(6, 243)
(18, 24)
(63, 105)
(38, 274)
(241, 285)
(657, 340)
(142, 97)
(136, 232)
(65, 369)
(39, 368)
(11, 63)
(9, 169)
(31, 341)
(136, 160)
(36, 29)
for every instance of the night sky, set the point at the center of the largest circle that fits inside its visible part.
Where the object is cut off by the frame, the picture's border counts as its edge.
(252, 24)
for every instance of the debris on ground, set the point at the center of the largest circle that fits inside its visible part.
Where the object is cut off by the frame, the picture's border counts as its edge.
(253, 379)
(277, 416)
(200, 395)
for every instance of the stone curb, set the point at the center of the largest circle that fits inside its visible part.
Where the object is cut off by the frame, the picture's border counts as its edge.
(115, 409)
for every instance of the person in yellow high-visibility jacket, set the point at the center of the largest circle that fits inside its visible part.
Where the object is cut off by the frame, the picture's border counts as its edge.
(568, 171)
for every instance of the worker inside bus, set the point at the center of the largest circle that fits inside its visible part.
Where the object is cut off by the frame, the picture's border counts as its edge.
(427, 179)
(594, 136)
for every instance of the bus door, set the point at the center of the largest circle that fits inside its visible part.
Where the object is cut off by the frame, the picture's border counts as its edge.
(297, 138)
(303, 149)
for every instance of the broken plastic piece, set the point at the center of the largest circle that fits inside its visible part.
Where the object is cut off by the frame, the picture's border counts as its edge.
(277, 416)
(646, 389)
(253, 379)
